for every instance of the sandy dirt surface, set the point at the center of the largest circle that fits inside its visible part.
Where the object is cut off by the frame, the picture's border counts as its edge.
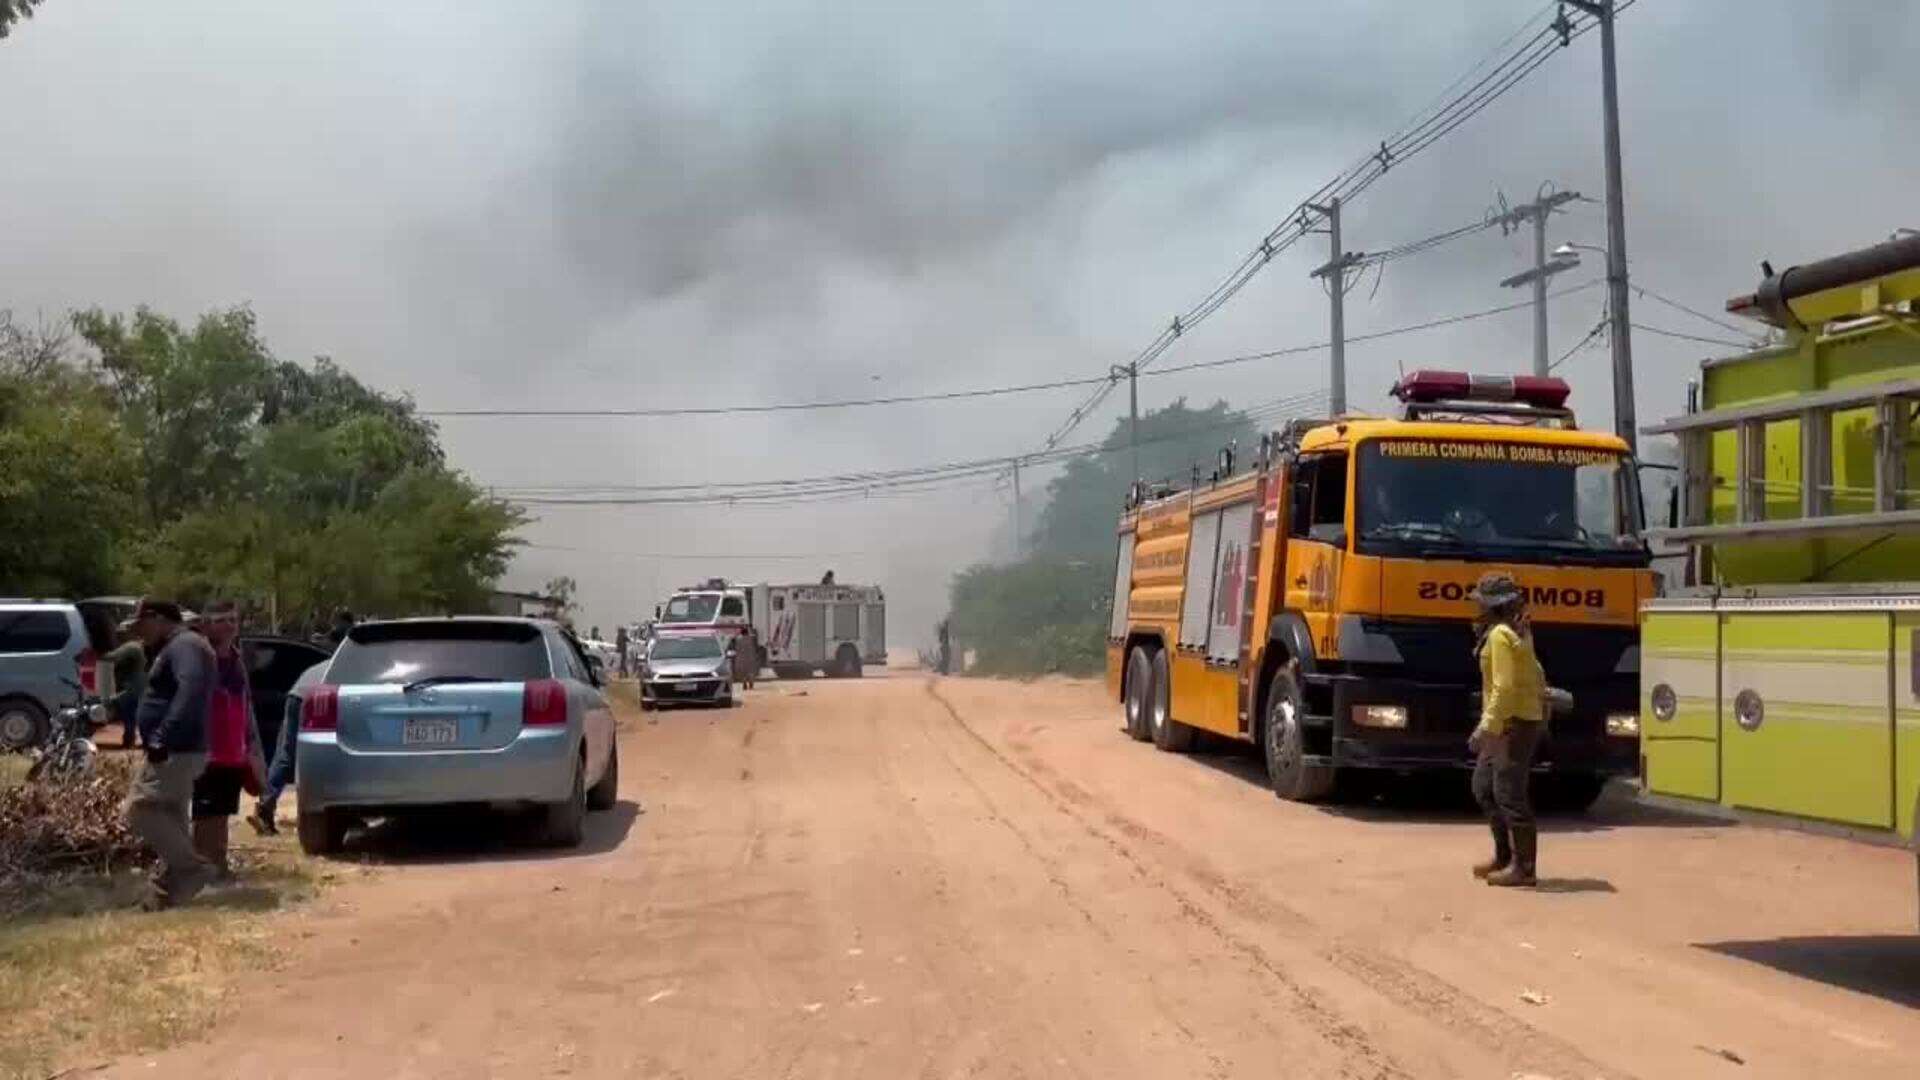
(910, 877)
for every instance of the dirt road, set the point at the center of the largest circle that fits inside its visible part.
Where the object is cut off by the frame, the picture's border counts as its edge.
(910, 877)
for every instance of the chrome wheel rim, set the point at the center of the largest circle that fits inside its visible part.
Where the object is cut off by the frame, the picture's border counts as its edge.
(1160, 705)
(1136, 676)
(1280, 735)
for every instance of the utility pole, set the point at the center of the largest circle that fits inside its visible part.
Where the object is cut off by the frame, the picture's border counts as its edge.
(1335, 272)
(1132, 372)
(1620, 330)
(1537, 212)
(1016, 510)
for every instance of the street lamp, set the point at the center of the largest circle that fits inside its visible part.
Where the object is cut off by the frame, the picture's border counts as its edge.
(1572, 251)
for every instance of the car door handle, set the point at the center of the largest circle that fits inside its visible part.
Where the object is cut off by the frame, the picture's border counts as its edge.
(1300, 582)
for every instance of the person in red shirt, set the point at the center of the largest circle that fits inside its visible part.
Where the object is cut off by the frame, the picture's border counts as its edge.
(233, 742)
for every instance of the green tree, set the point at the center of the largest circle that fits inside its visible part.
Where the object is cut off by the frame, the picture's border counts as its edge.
(563, 592)
(69, 485)
(190, 399)
(13, 11)
(1085, 499)
(191, 462)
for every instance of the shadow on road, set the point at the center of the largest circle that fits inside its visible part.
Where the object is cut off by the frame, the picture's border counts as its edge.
(1575, 885)
(1444, 799)
(1886, 966)
(482, 835)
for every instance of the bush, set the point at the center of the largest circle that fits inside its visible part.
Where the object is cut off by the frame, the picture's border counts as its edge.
(1040, 616)
(1072, 649)
(49, 827)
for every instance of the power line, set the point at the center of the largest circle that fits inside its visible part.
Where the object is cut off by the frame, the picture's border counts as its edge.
(1642, 290)
(860, 485)
(834, 488)
(1416, 247)
(699, 555)
(788, 406)
(1598, 328)
(749, 490)
(980, 392)
(1692, 337)
(1415, 136)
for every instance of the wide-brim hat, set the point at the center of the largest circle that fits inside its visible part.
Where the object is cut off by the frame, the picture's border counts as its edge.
(1497, 590)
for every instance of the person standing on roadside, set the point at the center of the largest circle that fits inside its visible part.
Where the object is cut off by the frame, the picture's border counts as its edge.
(1512, 720)
(280, 774)
(123, 675)
(746, 660)
(172, 722)
(620, 657)
(342, 622)
(233, 742)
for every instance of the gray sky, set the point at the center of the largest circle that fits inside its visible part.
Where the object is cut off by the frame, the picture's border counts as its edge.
(603, 203)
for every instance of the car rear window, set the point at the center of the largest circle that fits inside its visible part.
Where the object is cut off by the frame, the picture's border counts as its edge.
(33, 631)
(404, 652)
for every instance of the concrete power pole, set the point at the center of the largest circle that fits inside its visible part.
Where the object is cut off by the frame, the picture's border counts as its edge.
(1335, 272)
(1132, 372)
(1538, 211)
(1620, 329)
(1016, 510)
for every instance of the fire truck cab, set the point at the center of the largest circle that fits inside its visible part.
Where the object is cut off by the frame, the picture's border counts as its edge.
(1318, 603)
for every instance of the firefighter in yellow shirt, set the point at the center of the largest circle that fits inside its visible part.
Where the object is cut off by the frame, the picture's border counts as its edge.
(1512, 719)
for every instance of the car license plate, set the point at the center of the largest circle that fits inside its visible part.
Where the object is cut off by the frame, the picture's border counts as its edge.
(430, 733)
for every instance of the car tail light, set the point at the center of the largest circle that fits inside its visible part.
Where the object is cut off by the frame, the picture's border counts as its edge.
(320, 708)
(545, 704)
(88, 663)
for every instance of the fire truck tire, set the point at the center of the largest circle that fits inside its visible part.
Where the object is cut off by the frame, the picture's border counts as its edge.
(1283, 741)
(1168, 734)
(846, 663)
(1139, 692)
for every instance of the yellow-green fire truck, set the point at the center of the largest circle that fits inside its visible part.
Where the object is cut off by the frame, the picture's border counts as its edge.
(1785, 678)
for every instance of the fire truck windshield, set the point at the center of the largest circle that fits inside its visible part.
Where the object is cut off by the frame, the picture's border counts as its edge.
(691, 608)
(1515, 500)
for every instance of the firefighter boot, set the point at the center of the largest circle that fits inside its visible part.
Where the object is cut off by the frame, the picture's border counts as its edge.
(1520, 875)
(1502, 853)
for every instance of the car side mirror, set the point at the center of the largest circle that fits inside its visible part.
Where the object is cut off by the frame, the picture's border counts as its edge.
(597, 670)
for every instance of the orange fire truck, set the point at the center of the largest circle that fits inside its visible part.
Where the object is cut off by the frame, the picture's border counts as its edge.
(1317, 603)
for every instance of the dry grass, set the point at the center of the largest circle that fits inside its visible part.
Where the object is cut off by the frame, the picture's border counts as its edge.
(84, 977)
(13, 770)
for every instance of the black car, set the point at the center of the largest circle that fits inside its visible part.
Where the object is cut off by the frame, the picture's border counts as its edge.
(274, 664)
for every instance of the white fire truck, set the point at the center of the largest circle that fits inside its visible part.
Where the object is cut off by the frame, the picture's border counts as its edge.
(829, 628)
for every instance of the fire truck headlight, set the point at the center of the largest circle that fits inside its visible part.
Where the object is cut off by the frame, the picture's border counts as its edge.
(1664, 701)
(1380, 716)
(1624, 724)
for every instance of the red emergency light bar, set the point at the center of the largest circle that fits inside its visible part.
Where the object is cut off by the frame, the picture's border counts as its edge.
(1429, 387)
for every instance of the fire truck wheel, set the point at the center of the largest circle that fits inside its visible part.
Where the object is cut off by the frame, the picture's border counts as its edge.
(846, 663)
(1139, 692)
(1287, 768)
(1168, 734)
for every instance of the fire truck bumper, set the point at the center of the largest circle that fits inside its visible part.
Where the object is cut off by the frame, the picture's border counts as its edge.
(1377, 723)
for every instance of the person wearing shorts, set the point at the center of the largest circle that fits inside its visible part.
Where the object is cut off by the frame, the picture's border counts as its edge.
(233, 742)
